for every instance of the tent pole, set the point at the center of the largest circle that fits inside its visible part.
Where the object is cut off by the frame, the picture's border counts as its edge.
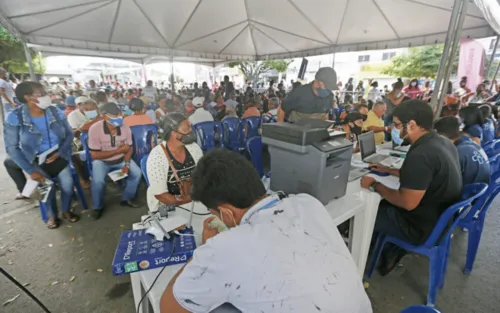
(144, 74)
(492, 58)
(30, 62)
(495, 76)
(213, 73)
(333, 60)
(451, 60)
(444, 57)
(172, 76)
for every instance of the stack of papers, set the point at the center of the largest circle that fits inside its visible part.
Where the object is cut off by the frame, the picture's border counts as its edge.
(117, 175)
(388, 181)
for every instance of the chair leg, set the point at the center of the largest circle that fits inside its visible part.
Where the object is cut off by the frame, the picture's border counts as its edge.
(80, 194)
(43, 211)
(435, 272)
(444, 255)
(473, 245)
(376, 252)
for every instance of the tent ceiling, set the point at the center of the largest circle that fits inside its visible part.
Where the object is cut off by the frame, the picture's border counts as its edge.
(221, 30)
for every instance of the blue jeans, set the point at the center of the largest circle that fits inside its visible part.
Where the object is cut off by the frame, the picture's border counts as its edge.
(100, 170)
(65, 182)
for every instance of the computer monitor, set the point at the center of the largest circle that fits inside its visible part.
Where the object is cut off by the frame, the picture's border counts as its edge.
(366, 143)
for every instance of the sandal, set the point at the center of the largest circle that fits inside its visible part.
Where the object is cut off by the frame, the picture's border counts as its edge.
(52, 223)
(20, 197)
(85, 184)
(71, 217)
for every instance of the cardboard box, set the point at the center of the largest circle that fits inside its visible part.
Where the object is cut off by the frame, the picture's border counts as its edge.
(138, 251)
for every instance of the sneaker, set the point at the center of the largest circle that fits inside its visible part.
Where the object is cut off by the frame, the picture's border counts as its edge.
(129, 204)
(96, 214)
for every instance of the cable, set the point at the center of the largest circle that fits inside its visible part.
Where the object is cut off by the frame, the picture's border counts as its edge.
(201, 214)
(12, 279)
(157, 276)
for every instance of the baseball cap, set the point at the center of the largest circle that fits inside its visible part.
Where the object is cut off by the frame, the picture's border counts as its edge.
(327, 76)
(70, 100)
(351, 117)
(81, 99)
(198, 101)
(110, 108)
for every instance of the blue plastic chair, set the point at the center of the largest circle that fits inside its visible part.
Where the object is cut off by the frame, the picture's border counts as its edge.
(142, 138)
(419, 309)
(492, 148)
(144, 168)
(84, 137)
(254, 147)
(474, 221)
(79, 193)
(208, 134)
(437, 246)
(233, 134)
(252, 126)
(494, 164)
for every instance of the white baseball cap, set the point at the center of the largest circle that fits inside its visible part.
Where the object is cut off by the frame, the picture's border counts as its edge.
(198, 101)
(81, 99)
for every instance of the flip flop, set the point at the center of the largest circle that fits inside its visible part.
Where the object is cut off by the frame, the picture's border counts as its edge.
(52, 224)
(71, 217)
(20, 197)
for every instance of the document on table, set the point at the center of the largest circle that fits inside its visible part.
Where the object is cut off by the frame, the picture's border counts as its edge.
(388, 181)
(43, 156)
(117, 175)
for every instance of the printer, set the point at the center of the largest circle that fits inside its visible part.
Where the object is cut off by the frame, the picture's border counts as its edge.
(308, 158)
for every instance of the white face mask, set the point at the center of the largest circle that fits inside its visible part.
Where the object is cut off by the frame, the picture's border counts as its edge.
(413, 84)
(43, 102)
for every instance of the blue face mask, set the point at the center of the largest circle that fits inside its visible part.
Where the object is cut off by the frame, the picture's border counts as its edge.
(398, 95)
(91, 114)
(116, 121)
(396, 136)
(323, 93)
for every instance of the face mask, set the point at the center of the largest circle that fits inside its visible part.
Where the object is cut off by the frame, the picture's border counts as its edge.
(188, 138)
(396, 136)
(7, 75)
(222, 217)
(413, 84)
(116, 121)
(323, 93)
(43, 102)
(91, 114)
(356, 129)
(398, 95)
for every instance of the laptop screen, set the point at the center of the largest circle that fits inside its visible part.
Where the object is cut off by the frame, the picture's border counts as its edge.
(367, 144)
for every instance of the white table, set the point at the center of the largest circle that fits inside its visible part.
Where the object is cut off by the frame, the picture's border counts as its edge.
(358, 204)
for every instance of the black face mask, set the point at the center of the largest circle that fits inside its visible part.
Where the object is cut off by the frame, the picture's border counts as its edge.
(188, 138)
(356, 130)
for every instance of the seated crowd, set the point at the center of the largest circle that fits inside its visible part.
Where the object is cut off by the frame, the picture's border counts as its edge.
(444, 156)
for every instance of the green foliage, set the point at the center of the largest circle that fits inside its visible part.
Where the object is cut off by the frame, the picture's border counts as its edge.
(492, 69)
(419, 62)
(12, 56)
(252, 70)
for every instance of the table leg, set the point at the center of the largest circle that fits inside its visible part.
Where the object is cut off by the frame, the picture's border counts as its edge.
(362, 232)
(135, 281)
(145, 305)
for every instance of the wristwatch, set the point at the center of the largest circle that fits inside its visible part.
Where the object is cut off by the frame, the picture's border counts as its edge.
(372, 186)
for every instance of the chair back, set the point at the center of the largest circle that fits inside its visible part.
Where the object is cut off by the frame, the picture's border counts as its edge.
(419, 309)
(482, 204)
(254, 147)
(208, 134)
(144, 168)
(252, 126)
(84, 138)
(144, 138)
(492, 148)
(233, 134)
(442, 228)
(494, 164)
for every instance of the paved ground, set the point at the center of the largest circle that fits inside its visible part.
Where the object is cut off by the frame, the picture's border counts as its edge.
(41, 257)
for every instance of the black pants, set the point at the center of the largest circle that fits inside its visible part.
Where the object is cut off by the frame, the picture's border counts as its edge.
(16, 173)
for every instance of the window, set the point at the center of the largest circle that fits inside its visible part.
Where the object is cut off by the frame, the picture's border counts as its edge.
(363, 58)
(388, 55)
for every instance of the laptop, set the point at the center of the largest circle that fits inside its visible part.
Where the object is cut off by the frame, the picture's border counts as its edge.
(368, 149)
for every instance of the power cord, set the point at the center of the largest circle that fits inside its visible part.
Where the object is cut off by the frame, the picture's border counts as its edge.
(157, 276)
(201, 214)
(12, 279)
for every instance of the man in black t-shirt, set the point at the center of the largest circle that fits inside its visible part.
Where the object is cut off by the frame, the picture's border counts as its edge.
(430, 181)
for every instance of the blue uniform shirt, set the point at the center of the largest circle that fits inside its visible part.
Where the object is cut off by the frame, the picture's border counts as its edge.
(488, 131)
(473, 162)
(49, 138)
(475, 131)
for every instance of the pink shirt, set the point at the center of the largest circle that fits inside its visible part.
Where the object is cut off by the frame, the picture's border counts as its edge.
(100, 138)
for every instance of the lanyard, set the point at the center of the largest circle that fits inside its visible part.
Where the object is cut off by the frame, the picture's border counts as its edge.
(48, 130)
(264, 207)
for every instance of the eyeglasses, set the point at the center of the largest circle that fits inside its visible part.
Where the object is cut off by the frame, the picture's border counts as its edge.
(398, 125)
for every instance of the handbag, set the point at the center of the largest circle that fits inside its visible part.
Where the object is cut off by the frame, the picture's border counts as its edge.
(54, 168)
(184, 185)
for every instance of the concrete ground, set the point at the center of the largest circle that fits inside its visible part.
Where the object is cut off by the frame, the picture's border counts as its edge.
(69, 270)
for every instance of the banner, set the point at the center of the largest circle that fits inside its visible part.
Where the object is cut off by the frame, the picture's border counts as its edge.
(471, 62)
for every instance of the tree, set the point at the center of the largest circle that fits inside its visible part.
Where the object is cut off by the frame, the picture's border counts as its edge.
(493, 69)
(252, 70)
(13, 58)
(419, 62)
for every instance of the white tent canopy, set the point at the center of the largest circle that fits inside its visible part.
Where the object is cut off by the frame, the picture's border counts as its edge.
(213, 31)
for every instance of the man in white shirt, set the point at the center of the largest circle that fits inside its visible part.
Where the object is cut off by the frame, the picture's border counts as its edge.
(77, 118)
(200, 114)
(279, 255)
(149, 91)
(92, 88)
(7, 93)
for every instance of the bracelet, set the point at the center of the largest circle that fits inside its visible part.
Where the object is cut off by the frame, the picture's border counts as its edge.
(372, 186)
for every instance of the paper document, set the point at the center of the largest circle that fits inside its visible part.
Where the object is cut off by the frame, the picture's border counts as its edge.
(117, 175)
(388, 181)
(43, 156)
(29, 188)
(44, 189)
